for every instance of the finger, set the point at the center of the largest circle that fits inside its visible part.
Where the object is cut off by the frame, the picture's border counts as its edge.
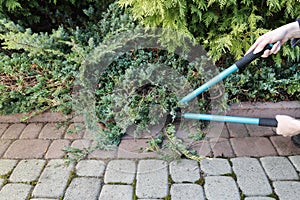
(251, 49)
(266, 53)
(253, 46)
(277, 50)
(277, 47)
(260, 47)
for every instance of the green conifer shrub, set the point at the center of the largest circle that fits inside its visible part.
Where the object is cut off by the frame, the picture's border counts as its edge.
(223, 27)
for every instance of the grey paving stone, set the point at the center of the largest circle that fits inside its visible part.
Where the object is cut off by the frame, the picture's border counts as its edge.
(152, 179)
(279, 168)
(27, 170)
(221, 187)
(53, 180)
(120, 171)
(215, 166)
(184, 171)
(251, 177)
(287, 190)
(83, 188)
(296, 162)
(90, 168)
(1, 182)
(259, 198)
(14, 191)
(116, 192)
(187, 191)
(6, 166)
(42, 199)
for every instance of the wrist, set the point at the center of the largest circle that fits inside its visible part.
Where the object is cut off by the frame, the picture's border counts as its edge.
(298, 20)
(294, 29)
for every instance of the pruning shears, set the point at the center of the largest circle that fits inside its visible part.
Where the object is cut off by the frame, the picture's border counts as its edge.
(237, 66)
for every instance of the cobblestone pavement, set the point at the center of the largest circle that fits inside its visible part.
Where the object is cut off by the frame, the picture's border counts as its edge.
(246, 162)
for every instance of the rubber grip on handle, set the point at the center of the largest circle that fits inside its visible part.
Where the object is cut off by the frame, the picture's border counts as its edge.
(270, 122)
(243, 62)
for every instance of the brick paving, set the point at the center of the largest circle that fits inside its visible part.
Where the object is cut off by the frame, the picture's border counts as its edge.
(245, 162)
(253, 146)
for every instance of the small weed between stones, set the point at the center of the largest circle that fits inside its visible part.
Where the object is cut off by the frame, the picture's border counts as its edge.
(243, 196)
(116, 183)
(233, 175)
(33, 183)
(134, 189)
(273, 195)
(201, 181)
(170, 180)
(5, 178)
(71, 177)
(29, 197)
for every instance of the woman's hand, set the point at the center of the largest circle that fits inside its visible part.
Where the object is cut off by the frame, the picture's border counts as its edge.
(277, 37)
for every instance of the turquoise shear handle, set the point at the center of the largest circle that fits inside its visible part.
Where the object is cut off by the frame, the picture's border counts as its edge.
(239, 65)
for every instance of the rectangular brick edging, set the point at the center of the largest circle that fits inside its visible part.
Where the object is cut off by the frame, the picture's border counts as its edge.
(43, 145)
(267, 109)
(250, 109)
(44, 117)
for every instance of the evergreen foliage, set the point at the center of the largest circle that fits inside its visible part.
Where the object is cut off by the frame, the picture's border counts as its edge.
(38, 68)
(45, 15)
(223, 27)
